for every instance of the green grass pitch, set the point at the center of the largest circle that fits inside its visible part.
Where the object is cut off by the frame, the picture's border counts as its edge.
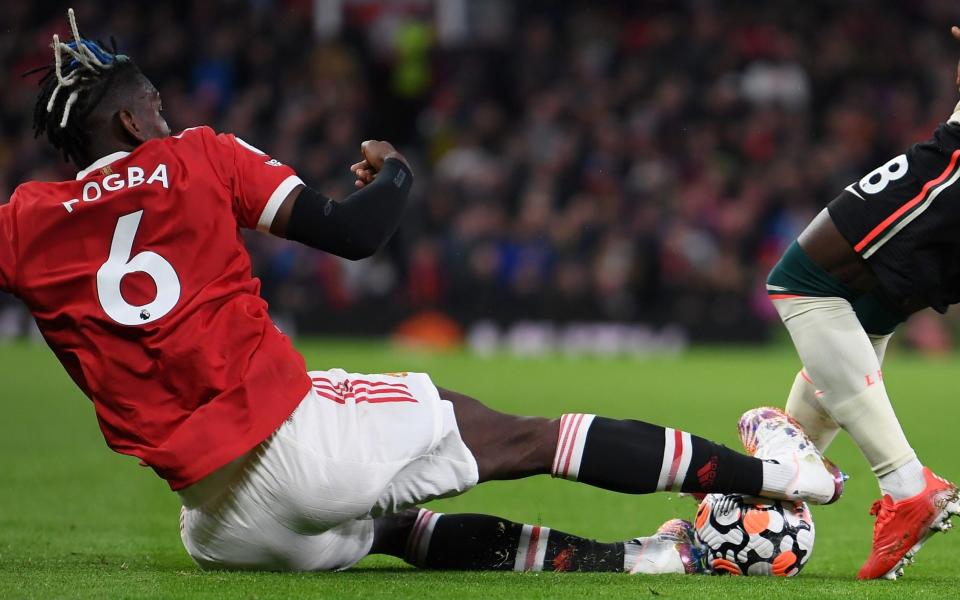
(77, 520)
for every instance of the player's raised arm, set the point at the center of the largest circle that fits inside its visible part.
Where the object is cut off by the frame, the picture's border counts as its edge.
(364, 221)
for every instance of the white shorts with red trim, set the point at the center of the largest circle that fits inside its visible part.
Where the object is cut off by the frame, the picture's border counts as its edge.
(357, 447)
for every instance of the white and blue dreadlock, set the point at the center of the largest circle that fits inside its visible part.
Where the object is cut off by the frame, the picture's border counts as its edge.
(87, 76)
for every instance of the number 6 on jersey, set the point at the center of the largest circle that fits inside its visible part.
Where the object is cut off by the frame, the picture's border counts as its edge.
(121, 264)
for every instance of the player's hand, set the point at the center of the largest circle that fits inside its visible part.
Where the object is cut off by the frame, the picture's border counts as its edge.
(375, 152)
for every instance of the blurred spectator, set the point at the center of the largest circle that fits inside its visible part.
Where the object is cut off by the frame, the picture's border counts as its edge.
(600, 161)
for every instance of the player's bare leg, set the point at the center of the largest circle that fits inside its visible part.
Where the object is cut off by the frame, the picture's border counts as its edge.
(842, 363)
(508, 446)
(463, 542)
(630, 456)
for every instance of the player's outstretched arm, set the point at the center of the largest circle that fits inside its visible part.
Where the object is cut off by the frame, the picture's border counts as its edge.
(364, 221)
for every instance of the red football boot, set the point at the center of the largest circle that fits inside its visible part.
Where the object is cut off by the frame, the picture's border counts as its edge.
(902, 527)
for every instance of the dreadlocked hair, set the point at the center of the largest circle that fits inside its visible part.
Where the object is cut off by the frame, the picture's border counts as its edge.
(72, 87)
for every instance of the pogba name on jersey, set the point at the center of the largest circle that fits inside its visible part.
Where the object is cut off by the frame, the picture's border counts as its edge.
(198, 374)
(94, 190)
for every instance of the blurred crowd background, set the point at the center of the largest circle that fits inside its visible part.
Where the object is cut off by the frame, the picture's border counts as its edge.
(576, 162)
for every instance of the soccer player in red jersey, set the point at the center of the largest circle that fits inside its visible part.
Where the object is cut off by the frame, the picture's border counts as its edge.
(885, 248)
(139, 281)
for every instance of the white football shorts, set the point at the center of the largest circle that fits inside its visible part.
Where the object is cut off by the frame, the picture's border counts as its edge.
(357, 447)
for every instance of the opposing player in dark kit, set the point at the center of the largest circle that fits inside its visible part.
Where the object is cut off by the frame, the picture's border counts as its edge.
(139, 281)
(888, 246)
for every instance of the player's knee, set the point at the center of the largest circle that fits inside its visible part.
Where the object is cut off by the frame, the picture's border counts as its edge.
(505, 446)
(518, 447)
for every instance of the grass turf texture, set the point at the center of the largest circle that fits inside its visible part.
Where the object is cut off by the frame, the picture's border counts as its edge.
(77, 520)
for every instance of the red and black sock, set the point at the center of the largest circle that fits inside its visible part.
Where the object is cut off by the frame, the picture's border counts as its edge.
(639, 458)
(483, 542)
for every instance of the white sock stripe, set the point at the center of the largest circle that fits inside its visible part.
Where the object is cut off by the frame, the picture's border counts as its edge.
(532, 548)
(541, 550)
(567, 422)
(412, 549)
(423, 540)
(684, 462)
(565, 456)
(520, 560)
(564, 423)
(571, 466)
(412, 538)
(668, 443)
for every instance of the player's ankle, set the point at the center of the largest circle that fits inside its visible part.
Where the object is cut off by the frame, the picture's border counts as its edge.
(903, 482)
(778, 476)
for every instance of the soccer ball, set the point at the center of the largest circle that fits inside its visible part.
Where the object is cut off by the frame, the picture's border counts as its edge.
(745, 537)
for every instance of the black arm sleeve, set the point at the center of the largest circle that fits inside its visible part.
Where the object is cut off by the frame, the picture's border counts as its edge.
(359, 225)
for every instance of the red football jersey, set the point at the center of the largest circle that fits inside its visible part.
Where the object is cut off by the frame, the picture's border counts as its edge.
(139, 280)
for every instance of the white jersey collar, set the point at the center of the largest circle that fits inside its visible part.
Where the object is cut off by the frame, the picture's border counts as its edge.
(100, 163)
(955, 117)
